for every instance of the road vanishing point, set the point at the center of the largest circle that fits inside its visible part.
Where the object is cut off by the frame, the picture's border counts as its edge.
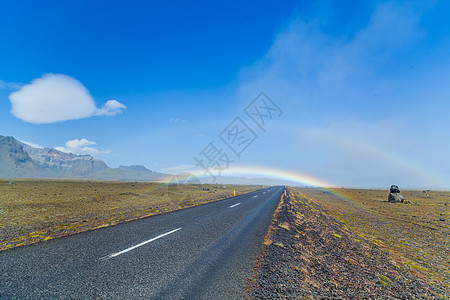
(203, 252)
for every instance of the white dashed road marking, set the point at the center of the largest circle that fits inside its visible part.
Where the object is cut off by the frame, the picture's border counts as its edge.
(235, 205)
(139, 245)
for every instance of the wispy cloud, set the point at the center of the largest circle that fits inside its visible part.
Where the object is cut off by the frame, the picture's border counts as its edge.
(360, 82)
(82, 147)
(10, 85)
(176, 120)
(306, 64)
(57, 98)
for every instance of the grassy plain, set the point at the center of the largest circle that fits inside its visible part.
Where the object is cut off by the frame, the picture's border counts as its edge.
(38, 210)
(416, 235)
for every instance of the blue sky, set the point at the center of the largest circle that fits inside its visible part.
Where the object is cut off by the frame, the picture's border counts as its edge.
(363, 85)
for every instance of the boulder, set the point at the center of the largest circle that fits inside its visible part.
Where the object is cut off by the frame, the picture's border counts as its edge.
(395, 196)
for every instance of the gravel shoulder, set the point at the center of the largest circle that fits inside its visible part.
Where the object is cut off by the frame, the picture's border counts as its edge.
(309, 254)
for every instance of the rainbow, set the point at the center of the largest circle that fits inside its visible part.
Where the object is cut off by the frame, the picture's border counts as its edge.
(390, 158)
(288, 177)
(248, 171)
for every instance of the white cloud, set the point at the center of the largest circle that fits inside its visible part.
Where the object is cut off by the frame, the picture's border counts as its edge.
(56, 98)
(176, 120)
(111, 108)
(82, 147)
(10, 85)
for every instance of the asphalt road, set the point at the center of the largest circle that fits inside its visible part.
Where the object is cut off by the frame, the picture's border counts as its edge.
(204, 252)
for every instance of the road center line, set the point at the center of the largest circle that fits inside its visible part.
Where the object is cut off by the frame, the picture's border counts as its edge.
(235, 205)
(255, 196)
(139, 245)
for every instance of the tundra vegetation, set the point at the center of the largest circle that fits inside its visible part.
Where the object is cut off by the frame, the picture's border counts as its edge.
(39, 210)
(415, 234)
(353, 243)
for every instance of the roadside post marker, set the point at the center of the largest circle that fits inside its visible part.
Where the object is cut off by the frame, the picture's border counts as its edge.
(234, 193)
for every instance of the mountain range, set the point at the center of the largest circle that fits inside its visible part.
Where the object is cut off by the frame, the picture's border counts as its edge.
(21, 160)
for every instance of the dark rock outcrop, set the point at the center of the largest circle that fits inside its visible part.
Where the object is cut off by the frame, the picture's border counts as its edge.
(395, 196)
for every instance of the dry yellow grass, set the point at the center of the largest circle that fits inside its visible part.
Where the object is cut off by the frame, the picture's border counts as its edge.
(38, 210)
(416, 234)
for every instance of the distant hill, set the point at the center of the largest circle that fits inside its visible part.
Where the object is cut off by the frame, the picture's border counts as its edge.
(20, 160)
(131, 173)
(139, 168)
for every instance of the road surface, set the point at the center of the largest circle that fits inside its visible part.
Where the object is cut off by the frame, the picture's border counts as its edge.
(204, 252)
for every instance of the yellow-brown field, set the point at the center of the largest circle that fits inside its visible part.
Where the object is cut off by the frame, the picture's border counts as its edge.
(39, 210)
(416, 234)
